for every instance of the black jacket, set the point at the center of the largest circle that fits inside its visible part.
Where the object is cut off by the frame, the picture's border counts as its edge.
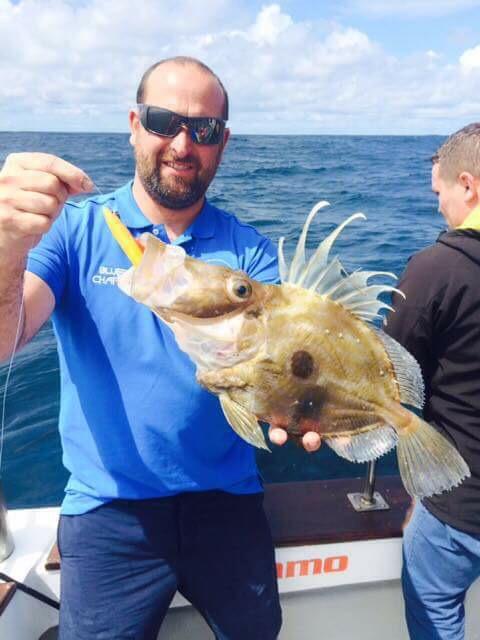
(439, 323)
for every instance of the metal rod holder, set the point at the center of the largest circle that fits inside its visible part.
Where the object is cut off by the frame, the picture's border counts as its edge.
(6, 540)
(369, 500)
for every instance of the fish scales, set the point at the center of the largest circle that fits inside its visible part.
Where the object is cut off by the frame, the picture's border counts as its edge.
(350, 373)
(303, 355)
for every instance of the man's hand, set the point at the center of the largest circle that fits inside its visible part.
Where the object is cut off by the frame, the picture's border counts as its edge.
(33, 190)
(311, 441)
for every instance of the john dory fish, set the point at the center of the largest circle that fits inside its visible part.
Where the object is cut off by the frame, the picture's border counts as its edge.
(302, 354)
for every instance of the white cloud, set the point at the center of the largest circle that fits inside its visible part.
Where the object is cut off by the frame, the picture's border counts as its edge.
(349, 45)
(470, 60)
(269, 25)
(76, 66)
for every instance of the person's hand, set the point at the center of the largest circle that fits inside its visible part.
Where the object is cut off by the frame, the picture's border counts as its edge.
(311, 441)
(33, 190)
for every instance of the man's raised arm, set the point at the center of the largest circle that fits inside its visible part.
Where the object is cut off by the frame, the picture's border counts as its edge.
(33, 190)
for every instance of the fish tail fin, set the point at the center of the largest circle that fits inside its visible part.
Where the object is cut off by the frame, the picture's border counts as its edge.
(428, 462)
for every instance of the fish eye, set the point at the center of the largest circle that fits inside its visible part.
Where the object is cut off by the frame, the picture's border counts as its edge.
(239, 289)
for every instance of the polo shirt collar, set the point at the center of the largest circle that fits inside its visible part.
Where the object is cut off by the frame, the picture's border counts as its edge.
(133, 217)
(204, 224)
(472, 221)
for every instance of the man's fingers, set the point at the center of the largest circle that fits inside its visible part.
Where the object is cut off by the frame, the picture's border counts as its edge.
(311, 441)
(41, 182)
(277, 435)
(29, 224)
(74, 179)
(34, 202)
(33, 190)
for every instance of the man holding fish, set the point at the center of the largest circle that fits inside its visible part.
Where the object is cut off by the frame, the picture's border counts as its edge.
(163, 495)
(438, 322)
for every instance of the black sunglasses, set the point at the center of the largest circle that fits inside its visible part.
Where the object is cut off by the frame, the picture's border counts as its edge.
(163, 122)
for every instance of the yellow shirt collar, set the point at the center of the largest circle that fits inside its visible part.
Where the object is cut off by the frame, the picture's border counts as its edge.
(472, 221)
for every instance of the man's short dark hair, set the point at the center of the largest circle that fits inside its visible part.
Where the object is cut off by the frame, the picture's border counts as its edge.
(460, 152)
(184, 61)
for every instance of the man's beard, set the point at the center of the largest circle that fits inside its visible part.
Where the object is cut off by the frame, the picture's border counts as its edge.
(174, 192)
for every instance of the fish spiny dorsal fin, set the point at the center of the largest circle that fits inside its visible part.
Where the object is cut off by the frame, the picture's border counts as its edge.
(363, 300)
(282, 265)
(370, 311)
(360, 278)
(319, 259)
(298, 262)
(330, 278)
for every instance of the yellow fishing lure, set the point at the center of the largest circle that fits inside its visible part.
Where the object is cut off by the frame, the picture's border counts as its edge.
(122, 235)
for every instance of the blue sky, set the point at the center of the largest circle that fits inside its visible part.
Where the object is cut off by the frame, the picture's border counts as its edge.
(402, 28)
(346, 67)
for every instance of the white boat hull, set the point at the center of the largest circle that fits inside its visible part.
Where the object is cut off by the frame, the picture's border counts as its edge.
(332, 591)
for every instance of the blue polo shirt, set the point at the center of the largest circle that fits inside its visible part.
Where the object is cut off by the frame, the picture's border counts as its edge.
(134, 423)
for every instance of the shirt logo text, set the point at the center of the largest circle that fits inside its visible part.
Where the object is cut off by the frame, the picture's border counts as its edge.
(107, 275)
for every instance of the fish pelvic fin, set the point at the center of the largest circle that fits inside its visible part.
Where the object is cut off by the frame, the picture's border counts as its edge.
(330, 278)
(366, 445)
(428, 462)
(243, 422)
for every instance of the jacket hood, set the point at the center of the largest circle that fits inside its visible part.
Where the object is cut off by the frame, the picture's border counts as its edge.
(466, 241)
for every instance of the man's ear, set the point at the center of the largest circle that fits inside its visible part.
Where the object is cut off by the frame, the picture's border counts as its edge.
(226, 136)
(134, 122)
(471, 186)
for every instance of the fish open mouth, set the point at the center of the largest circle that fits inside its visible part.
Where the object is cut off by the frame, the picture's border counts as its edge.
(160, 279)
(214, 336)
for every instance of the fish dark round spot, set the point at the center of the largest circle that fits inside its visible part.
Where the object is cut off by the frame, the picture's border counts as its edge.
(302, 364)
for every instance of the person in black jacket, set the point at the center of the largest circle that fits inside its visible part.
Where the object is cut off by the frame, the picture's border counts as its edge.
(439, 323)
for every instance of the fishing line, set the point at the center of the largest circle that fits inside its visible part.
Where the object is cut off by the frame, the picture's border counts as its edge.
(9, 372)
(10, 363)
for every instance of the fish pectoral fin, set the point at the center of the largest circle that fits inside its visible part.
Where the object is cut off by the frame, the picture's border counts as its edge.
(243, 422)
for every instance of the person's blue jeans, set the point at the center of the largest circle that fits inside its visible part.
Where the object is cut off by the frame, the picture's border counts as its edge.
(122, 563)
(439, 565)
